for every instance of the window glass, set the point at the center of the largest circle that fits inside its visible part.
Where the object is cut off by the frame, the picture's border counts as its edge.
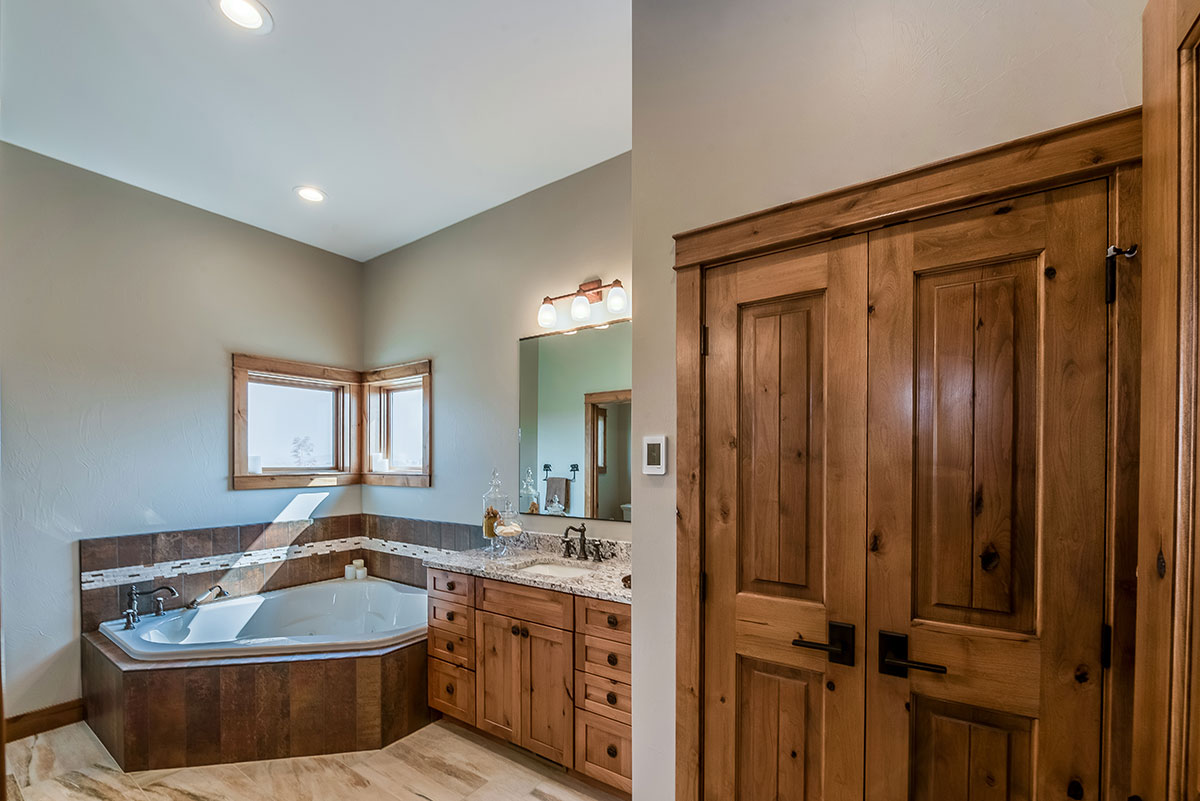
(406, 429)
(291, 427)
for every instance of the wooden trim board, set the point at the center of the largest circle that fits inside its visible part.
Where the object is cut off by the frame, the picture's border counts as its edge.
(38, 721)
(1064, 155)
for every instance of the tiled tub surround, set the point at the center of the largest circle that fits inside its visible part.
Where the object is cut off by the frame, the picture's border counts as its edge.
(153, 715)
(246, 560)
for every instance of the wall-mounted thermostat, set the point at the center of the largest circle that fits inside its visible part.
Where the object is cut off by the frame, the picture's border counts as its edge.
(654, 455)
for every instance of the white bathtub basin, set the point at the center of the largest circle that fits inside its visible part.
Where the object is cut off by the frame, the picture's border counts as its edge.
(555, 569)
(335, 615)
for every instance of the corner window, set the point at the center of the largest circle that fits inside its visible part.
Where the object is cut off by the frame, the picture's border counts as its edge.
(398, 401)
(294, 424)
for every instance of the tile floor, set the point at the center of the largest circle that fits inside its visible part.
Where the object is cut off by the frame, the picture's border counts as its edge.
(441, 762)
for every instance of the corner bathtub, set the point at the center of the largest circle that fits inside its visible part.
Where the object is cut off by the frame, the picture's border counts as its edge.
(335, 615)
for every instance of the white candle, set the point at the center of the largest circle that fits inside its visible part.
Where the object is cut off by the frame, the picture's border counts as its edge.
(358, 563)
(351, 572)
(379, 464)
(361, 573)
(255, 466)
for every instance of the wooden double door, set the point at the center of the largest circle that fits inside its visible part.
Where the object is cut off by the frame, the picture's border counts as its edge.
(904, 510)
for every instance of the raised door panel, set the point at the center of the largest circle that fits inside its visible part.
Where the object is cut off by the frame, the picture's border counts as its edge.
(547, 692)
(785, 449)
(779, 744)
(976, 433)
(965, 753)
(986, 500)
(498, 675)
(782, 428)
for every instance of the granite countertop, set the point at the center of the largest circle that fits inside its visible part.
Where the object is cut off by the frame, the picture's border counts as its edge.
(603, 581)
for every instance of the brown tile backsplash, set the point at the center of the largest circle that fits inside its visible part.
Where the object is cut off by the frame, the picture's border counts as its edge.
(108, 603)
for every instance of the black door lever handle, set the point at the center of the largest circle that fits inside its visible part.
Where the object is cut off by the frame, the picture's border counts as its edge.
(893, 657)
(840, 646)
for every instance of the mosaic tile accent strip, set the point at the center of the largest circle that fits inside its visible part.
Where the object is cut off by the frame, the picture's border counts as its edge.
(118, 576)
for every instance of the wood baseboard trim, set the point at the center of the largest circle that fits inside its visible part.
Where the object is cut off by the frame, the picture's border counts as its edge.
(38, 721)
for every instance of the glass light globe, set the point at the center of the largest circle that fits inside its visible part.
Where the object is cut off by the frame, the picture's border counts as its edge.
(581, 310)
(242, 13)
(618, 301)
(547, 314)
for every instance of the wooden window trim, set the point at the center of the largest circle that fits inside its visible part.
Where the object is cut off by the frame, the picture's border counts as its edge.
(1093, 148)
(347, 425)
(379, 385)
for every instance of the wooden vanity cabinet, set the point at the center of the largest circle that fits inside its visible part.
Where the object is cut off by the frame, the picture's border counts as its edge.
(451, 644)
(549, 671)
(603, 695)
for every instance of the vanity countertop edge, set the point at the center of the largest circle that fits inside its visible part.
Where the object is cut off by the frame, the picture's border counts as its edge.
(603, 583)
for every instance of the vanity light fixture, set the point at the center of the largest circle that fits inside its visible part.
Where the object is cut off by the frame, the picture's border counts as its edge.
(310, 193)
(589, 292)
(249, 14)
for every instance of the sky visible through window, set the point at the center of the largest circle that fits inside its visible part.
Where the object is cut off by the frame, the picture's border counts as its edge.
(291, 427)
(406, 429)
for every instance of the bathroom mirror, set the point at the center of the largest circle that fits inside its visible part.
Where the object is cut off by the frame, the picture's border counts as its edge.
(575, 425)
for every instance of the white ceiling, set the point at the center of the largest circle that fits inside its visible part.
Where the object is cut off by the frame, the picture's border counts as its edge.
(410, 115)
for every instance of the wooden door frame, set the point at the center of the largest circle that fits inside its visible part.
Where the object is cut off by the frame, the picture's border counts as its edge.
(1109, 146)
(1166, 713)
(591, 404)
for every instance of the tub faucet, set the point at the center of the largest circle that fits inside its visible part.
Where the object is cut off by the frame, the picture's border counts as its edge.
(579, 550)
(160, 605)
(199, 599)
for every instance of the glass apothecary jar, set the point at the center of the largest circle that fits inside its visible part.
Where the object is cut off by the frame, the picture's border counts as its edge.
(493, 501)
(529, 494)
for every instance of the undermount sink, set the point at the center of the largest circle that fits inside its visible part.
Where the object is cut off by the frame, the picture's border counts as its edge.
(555, 569)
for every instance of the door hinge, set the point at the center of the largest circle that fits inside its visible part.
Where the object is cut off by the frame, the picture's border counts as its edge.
(704, 340)
(1106, 646)
(703, 586)
(1110, 271)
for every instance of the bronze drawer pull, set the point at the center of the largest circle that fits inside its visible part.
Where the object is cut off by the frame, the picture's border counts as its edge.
(449, 689)
(449, 617)
(450, 647)
(612, 698)
(524, 632)
(516, 630)
(612, 621)
(612, 751)
(612, 659)
(450, 586)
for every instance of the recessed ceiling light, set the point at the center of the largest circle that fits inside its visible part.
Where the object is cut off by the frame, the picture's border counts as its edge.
(249, 14)
(310, 193)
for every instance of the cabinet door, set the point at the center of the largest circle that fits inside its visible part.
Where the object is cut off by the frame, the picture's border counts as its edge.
(785, 512)
(498, 675)
(547, 695)
(986, 501)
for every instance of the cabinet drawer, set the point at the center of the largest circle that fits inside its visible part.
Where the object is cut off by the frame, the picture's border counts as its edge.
(602, 657)
(451, 617)
(604, 750)
(550, 608)
(607, 697)
(603, 619)
(452, 690)
(453, 648)
(449, 586)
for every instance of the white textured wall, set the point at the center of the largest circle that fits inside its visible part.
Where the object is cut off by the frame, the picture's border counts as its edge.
(464, 297)
(740, 106)
(118, 311)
